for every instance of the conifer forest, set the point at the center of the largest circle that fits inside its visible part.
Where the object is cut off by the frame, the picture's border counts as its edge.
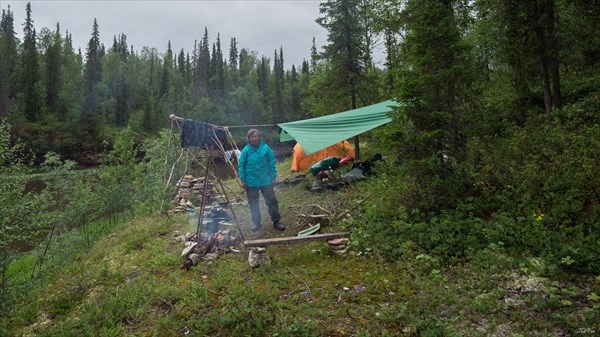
(494, 148)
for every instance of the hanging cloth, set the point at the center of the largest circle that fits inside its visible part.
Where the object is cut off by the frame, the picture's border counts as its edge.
(200, 134)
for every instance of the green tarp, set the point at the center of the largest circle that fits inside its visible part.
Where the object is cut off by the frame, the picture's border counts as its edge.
(318, 133)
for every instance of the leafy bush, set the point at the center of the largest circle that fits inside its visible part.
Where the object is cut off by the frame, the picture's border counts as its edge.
(150, 192)
(22, 215)
(544, 173)
(532, 190)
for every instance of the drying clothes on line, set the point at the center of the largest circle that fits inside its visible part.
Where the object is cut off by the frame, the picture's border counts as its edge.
(229, 155)
(200, 134)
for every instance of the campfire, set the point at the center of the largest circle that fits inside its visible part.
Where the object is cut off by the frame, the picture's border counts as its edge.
(214, 238)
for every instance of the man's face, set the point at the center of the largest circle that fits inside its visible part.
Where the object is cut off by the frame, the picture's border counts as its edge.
(254, 139)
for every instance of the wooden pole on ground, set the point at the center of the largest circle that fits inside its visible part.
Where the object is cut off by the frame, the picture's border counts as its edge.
(295, 239)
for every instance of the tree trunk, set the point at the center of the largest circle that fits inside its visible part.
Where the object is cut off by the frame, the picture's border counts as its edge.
(554, 66)
(356, 140)
(538, 27)
(546, 87)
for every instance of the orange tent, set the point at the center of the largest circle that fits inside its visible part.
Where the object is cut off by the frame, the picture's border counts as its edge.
(302, 162)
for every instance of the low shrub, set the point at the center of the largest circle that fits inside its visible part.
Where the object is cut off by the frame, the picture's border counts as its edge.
(533, 190)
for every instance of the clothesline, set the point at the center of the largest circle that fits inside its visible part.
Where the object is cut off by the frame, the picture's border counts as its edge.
(177, 118)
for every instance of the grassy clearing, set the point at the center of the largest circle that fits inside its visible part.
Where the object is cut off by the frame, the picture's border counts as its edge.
(130, 284)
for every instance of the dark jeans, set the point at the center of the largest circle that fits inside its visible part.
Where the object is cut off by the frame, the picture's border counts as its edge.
(273, 206)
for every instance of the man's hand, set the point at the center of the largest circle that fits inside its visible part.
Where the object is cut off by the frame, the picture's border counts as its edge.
(273, 181)
(244, 186)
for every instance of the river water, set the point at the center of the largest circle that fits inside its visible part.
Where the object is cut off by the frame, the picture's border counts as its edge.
(220, 168)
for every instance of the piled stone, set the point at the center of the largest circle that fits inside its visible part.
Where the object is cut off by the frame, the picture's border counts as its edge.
(338, 246)
(189, 193)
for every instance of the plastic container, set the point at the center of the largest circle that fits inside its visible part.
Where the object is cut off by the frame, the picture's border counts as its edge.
(193, 218)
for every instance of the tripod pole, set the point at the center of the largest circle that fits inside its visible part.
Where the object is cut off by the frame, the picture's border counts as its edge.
(206, 175)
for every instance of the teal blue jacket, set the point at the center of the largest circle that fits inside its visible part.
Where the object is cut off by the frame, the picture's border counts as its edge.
(257, 165)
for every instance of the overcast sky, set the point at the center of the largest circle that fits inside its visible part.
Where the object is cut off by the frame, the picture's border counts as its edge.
(261, 26)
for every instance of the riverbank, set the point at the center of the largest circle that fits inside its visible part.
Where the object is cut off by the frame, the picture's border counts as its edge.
(130, 282)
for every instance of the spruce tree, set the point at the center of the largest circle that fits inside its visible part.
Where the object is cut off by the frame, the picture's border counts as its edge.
(165, 75)
(436, 91)
(233, 70)
(151, 74)
(506, 24)
(188, 69)
(202, 68)
(278, 105)
(346, 48)
(92, 121)
(388, 20)
(123, 50)
(233, 53)
(303, 92)
(247, 63)
(30, 76)
(217, 79)
(280, 69)
(121, 86)
(314, 55)
(115, 46)
(54, 70)
(181, 64)
(122, 98)
(294, 94)
(346, 86)
(204, 63)
(71, 90)
(305, 67)
(262, 72)
(8, 56)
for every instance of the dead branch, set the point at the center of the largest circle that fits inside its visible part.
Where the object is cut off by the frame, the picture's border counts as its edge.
(353, 208)
(308, 291)
(173, 168)
(314, 216)
(313, 206)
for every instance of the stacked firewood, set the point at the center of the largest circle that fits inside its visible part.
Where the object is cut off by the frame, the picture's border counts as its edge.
(190, 192)
(338, 246)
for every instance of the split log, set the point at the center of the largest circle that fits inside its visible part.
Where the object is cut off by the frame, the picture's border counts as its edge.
(336, 247)
(205, 247)
(189, 249)
(341, 251)
(191, 260)
(199, 251)
(340, 241)
(258, 257)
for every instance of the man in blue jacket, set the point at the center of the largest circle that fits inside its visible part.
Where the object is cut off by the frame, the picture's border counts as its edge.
(258, 175)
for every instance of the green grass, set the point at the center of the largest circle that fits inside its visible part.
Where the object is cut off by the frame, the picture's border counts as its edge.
(131, 283)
